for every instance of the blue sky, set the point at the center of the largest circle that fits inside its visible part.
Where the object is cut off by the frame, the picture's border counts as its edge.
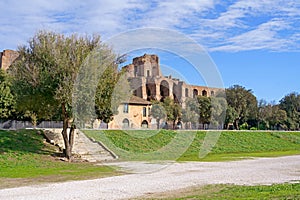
(254, 43)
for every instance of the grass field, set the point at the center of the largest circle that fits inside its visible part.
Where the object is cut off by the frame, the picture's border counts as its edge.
(25, 159)
(276, 191)
(185, 145)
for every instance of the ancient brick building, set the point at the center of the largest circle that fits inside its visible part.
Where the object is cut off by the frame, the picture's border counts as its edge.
(7, 57)
(147, 82)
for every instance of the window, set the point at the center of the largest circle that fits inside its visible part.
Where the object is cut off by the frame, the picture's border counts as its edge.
(148, 73)
(195, 93)
(186, 92)
(135, 71)
(144, 112)
(125, 110)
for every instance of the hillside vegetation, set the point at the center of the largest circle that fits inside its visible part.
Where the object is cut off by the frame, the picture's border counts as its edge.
(185, 145)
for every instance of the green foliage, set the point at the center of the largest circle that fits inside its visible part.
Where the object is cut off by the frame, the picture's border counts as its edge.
(173, 110)
(7, 99)
(271, 116)
(242, 105)
(204, 109)
(44, 75)
(291, 105)
(244, 126)
(158, 112)
(218, 111)
(111, 90)
(190, 114)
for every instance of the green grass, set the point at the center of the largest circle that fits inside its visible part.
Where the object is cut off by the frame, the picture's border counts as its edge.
(186, 145)
(276, 191)
(24, 157)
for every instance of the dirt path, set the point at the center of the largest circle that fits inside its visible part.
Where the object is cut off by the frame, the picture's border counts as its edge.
(162, 178)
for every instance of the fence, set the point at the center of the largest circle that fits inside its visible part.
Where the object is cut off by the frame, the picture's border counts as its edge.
(14, 124)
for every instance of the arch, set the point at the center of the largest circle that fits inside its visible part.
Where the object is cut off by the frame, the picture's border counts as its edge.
(204, 93)
(179, 125)
(195, 93)
(144, 124)
(175, 93)
(164, 89)
(151, 91)
(125, 123)
(186, 92)
(212, 93)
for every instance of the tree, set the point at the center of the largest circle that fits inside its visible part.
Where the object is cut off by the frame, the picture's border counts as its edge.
(271, 116)
(44, 76)
(7, 99)
(204, 108)
(111, 90)
(218, 111)
(291, 104)
(158, 112)
(190, 114)
(173, 110)
(242, 105)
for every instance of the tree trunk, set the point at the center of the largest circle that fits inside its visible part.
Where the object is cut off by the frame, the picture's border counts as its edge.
(71, 137)
(68, 140)
(157, 123)
(236, 124)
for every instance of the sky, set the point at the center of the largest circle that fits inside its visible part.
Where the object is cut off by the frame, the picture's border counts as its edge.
(255, 44)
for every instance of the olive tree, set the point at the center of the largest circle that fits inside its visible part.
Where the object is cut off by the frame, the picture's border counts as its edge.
(44, 75)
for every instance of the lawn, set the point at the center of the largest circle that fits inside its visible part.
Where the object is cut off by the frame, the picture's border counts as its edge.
(276, 191)
(25, 158)
(186, 145)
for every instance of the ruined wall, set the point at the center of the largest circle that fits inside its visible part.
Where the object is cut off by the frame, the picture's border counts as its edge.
(148, 83)
(7, 57)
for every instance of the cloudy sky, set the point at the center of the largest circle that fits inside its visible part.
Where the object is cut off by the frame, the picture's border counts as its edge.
(254, 43)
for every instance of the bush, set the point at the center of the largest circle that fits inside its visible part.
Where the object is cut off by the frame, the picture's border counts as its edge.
(244, 126)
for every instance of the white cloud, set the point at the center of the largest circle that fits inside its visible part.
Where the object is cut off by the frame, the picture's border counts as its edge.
(218, 25)
(263, 37)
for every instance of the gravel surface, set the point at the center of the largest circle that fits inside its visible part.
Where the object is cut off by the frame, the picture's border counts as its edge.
(154, 177)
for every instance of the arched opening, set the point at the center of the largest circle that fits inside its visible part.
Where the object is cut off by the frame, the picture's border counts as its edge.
(212, 93)
(135, 71)
(125, 123)
(179, 125)
(164, 89)
(195, 93)
(144, 124)
(204, 93)
(151, 91)
(176, 93)
(186, 92)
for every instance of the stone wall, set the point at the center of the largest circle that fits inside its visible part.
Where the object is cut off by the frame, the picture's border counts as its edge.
(7, 57)
(147, 82)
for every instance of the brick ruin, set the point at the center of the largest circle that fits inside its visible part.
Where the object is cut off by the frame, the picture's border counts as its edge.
(147, 82)
(7, 57)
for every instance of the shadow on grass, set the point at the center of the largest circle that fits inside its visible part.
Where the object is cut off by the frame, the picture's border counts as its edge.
(22, 141)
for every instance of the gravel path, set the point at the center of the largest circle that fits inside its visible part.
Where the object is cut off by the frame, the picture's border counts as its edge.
(162, 178)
